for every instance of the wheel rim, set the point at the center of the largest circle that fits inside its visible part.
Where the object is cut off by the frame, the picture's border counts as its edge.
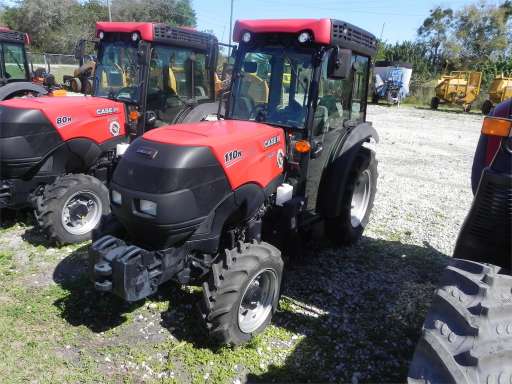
(360, 198)
(81, 213)
(257, 301)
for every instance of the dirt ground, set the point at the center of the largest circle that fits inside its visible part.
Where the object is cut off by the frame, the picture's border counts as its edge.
(346, 315)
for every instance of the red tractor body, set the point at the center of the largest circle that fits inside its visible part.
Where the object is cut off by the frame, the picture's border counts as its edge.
(209, 203)
(94, 118)
(249, 152)
(146, 75)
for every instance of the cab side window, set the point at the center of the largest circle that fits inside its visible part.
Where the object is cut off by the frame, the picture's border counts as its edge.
(333, 106)
(360, 73)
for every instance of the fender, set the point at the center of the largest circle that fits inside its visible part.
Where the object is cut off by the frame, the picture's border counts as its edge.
(337, 168)
(73, 156)
(197, 113)
(241, 205)
(9, 90)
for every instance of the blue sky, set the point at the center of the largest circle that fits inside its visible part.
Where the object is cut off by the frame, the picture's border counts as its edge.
(401, 17)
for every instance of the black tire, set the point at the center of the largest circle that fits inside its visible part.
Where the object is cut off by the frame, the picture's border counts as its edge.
(226, 286)
(486, 107)
(375, 99)
(434, 103)
(109, 225)
(49, 206)
(467, 108)
(341, 229)
(467, 335)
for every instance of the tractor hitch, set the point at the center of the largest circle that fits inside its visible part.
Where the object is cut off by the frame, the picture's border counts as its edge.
(127, 271)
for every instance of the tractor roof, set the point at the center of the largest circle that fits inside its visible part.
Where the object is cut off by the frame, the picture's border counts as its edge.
(159, 32)
(324, 31)
(11, 36)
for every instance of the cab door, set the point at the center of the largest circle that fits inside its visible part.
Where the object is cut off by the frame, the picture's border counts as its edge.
(339, 100)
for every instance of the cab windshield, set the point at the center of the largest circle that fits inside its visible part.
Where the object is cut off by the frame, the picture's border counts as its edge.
(14, 65)
(272, 86)
(117, 71)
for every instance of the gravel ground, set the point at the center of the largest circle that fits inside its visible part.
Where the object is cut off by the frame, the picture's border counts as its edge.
(347, 315)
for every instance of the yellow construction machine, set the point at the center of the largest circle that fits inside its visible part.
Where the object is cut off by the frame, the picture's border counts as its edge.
(459, 87)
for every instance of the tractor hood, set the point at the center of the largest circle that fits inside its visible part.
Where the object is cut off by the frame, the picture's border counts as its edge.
(95, 118)
(187, 170)
(248, 151)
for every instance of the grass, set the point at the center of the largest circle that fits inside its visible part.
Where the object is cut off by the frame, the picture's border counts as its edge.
(55, 329)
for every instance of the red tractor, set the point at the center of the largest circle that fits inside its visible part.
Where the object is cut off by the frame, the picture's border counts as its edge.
(15, 76)
(200, 203)
(56, 153)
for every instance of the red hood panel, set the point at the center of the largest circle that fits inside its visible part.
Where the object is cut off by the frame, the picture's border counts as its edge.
(248, 151)
(95, 118)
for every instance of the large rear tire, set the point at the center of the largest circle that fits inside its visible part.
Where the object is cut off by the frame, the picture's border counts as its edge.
(467, 335)
(242, 293)
(357, 202)
(70, 208)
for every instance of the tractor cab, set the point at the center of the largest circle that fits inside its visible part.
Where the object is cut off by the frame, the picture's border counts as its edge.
(159, 72)
(309, 77)
(15, 76)
(13, 58)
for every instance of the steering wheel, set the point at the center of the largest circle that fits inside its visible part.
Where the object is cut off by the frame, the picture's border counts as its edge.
(131, 90)
(258, 110)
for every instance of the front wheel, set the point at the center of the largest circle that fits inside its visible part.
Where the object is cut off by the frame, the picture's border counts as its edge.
(70, 208)
(357, 201)
(242, 292)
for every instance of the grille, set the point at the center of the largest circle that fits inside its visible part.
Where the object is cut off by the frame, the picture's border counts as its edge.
(12, 36)
(350, 36)
(165, 33)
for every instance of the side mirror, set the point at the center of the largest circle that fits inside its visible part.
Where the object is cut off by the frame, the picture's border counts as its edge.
(150, 119)
(340, 64)
(250, 67)
(142, 53)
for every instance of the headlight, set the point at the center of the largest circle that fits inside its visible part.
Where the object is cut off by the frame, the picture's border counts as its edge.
(135, 36)
(246, 37)
(116, 197)
(304, 37)
(101, 35)
(147, 207)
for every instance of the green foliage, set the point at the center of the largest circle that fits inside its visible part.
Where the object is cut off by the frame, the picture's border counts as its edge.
(55, 25)
(173, 12)
(477, 37)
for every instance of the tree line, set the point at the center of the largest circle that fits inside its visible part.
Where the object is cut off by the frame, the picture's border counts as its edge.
(476, 37)
(55, 26)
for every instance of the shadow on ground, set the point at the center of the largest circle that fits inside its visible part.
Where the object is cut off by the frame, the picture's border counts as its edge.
(358, 310)
(456, 111)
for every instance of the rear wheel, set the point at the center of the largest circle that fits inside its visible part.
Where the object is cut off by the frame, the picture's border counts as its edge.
(357, 203)
(70, 208)
(486, 107)
(242, 292)
(467, 108)
(467, 335)
(434, 103)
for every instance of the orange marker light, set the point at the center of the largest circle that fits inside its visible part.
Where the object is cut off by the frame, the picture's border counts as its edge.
(493, 126)
(59, 92)
(134, 115)
(302, 146)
